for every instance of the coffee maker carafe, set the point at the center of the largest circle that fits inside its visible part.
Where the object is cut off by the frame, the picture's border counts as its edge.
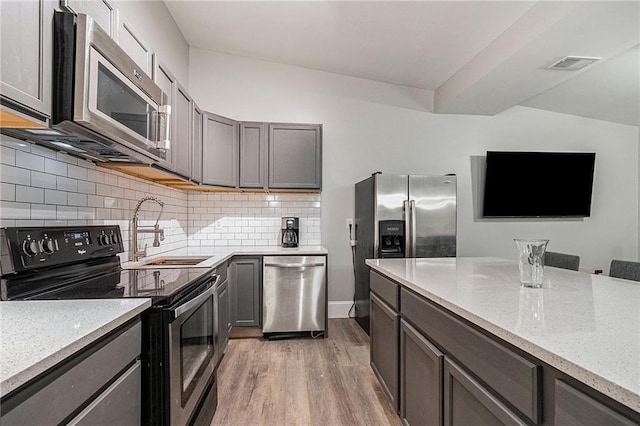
(290, 236)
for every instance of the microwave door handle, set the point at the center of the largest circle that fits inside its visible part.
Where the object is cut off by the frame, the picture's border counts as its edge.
(164, 142)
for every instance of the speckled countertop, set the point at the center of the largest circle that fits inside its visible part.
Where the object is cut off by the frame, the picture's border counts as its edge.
(217, 255)
(36, 335)
(587, 326)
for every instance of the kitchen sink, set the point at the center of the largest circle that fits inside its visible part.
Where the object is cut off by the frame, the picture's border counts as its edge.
(170, 262)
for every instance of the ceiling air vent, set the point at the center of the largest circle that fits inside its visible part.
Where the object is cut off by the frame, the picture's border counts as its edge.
(572, 63)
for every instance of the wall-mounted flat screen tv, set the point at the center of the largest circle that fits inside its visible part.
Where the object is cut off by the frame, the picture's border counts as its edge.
(538, 184)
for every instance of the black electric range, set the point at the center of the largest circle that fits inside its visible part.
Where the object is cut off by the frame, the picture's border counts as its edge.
(82, 263)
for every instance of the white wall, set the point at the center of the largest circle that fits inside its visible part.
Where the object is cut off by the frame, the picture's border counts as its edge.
(371, 126)
(155, 25)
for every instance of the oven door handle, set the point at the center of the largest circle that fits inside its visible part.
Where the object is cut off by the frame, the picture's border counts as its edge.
(181, 309)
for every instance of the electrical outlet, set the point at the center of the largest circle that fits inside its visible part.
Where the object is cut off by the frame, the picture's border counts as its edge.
(349, 222)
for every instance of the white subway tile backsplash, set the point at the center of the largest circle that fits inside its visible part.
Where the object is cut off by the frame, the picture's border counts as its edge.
(66, 184)
(7, 155)
(10, 174)
(42, 187)
(55, 167)
(67, 212)
(43, 180)
(43, 211)
(13, 210)
(77, 172)
(29, 161)
(7, 192)
(55, 197)
(29, 194)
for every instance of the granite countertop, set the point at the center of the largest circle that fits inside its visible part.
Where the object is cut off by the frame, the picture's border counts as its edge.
(587, 326)
(217, 255)
(36, 335)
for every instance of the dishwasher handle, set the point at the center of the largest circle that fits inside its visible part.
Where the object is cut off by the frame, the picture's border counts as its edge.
(293, 265)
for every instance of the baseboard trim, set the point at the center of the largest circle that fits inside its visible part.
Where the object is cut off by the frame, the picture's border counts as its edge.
(339, 309)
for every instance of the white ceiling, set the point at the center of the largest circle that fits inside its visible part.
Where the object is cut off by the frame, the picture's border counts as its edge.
(479, 57)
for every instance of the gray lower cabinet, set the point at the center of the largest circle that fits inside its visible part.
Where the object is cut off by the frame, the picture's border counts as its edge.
(384, 335)
(245, 285)
(574, 407)
(421, 375)
(466, 402)
(26, 40)
(253, 155)
(295, 156)
(219, 151)
(100, 385)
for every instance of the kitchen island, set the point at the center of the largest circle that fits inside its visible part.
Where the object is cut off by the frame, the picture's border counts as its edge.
(55, 356)
(575, 339)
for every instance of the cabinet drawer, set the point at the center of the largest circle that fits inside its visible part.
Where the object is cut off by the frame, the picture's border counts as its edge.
(385, 289)
(573, 407)
(118, 405)
(514, 378)
(57, 395)
(467, 402)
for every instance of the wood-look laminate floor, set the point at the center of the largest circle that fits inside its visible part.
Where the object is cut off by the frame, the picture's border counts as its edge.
(302, 382)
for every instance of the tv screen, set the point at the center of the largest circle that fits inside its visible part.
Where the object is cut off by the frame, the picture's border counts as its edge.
(538, 184)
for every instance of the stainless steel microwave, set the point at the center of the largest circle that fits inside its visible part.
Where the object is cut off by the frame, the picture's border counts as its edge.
(105, 108)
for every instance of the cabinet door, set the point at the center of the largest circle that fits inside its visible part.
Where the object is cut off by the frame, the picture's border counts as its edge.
(181, 145)
(421, 365)
(220, 151)
(26, 39)
(224, 317)
(384, 334)
(573, 407)
(245, 278)
(103, 12)
(136, 47)
(168, 83)
(466, 402)
(196, 144)
(253, 155)
(295, 156)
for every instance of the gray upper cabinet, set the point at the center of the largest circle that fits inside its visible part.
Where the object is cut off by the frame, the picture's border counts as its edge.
(168, 83)
(26, 39)
(103, 12)
(196, 143)
(181, 145)
(295, 156)
(253, 155)
(219, 151)
(136, 47)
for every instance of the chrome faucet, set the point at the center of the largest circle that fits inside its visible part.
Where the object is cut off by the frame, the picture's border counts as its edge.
(158, 233)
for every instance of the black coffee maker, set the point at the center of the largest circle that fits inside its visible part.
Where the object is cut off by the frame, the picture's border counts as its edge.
(290, 232)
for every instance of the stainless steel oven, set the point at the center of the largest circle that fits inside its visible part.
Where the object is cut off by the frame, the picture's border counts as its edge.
(192, 353)
(105, 108)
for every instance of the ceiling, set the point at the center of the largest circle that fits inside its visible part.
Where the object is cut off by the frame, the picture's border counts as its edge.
(478, 57)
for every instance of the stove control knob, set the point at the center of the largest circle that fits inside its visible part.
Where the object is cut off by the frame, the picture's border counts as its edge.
(103, 240)
(48, 246)
(30, 248)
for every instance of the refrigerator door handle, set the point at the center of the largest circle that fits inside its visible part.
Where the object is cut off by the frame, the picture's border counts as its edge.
(412, 233)
(406, 208)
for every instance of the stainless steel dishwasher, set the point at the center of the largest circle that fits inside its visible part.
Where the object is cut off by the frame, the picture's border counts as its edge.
(294, 294)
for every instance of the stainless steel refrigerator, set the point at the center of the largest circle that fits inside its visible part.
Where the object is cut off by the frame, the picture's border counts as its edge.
(401, 216)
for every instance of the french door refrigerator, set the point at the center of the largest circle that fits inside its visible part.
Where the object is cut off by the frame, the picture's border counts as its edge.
(401, 216)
